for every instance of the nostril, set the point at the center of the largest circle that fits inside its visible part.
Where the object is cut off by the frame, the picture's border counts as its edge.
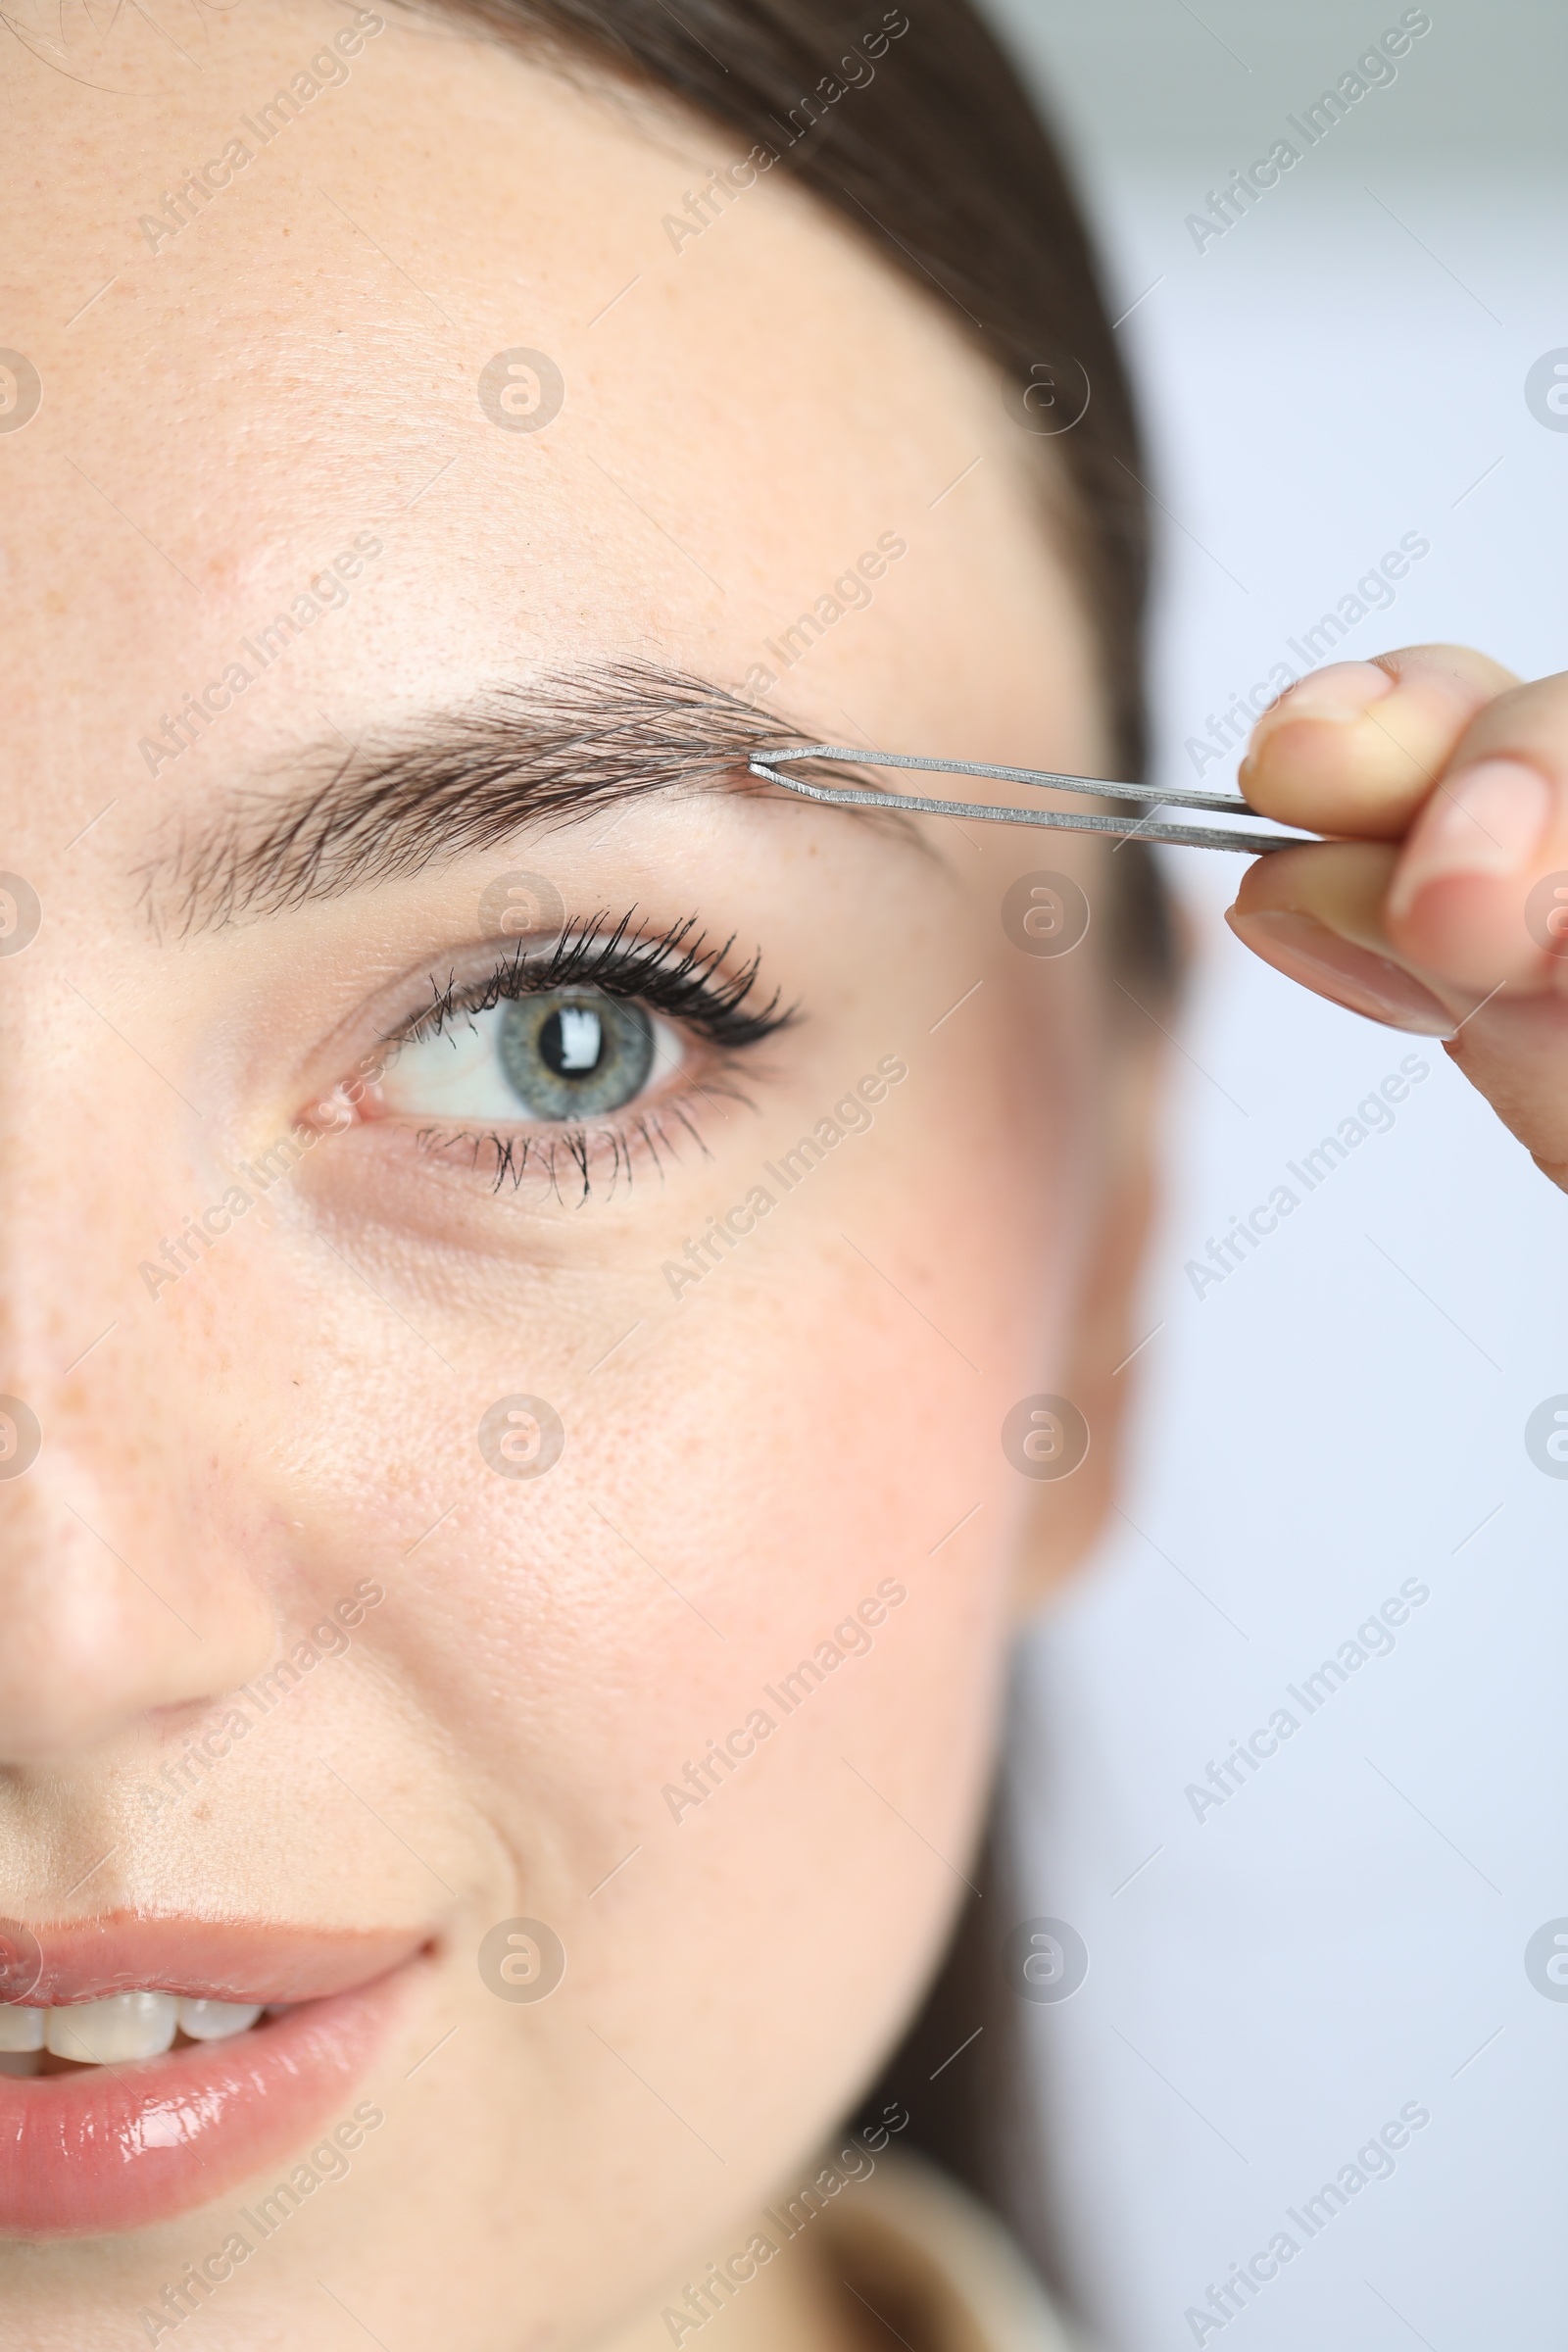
(90, 1645)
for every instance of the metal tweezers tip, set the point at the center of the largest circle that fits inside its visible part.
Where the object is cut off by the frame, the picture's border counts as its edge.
(767, 764)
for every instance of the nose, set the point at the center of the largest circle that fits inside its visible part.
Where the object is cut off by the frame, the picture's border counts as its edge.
(120, 1591)
(132, 1544)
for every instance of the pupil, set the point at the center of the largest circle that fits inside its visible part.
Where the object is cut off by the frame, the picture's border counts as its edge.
(572, 1041)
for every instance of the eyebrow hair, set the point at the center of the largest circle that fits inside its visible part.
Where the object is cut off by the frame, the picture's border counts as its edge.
(461, 781)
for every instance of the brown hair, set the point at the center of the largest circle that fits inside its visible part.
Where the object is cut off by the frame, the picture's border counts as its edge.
(938, 157)
(941, 163)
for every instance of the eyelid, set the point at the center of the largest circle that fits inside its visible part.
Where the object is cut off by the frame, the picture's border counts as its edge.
(674, 972)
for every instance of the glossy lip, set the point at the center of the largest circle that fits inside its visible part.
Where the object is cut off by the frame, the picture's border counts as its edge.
(217, 1960)
(121, 2147)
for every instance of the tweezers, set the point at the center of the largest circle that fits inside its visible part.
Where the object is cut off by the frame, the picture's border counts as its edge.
(767, 766)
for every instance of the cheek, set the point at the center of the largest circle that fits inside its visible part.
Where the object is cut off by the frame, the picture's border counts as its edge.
(812, 1421)
(818, 1416)
(588, 1653)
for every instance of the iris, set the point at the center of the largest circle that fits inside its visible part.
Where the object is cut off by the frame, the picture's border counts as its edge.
(573, 1054)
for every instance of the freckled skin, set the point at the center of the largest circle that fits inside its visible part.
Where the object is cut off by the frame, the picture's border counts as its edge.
(300, 1408)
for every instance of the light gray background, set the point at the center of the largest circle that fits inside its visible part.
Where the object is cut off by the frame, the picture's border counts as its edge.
(1269, 1986)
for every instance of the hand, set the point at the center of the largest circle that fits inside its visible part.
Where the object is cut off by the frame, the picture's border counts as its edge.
(1442, 906)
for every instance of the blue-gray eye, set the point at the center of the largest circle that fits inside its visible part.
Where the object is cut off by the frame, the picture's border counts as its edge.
(573, 1053)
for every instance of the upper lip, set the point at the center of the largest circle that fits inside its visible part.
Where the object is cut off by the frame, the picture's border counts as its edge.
(52, 1965)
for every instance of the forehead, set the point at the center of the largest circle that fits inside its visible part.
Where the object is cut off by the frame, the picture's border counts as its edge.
(277, 297)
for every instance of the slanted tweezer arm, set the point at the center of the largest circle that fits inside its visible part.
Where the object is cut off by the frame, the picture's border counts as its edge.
(768, 765)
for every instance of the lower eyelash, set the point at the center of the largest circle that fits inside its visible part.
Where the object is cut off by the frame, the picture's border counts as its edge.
(676, 975)
(656, 1136)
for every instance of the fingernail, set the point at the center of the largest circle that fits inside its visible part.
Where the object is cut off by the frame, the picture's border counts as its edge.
(1344, 690)
(1486, 824)
(1305, 949)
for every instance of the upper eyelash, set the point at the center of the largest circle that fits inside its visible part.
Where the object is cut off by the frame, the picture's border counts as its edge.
(675, 973)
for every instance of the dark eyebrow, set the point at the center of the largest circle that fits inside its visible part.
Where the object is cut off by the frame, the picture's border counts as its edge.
(460, 781)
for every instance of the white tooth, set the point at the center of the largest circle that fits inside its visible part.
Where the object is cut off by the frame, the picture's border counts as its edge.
(20, 2062)
(111, 2032)
(214, 2021)
(21, 2029)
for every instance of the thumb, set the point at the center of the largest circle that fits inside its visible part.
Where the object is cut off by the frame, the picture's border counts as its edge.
(1317, 914)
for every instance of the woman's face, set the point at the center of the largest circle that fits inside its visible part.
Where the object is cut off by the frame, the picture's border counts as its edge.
(438, 1523)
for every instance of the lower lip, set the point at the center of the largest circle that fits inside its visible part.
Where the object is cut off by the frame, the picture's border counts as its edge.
(126, 2147)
